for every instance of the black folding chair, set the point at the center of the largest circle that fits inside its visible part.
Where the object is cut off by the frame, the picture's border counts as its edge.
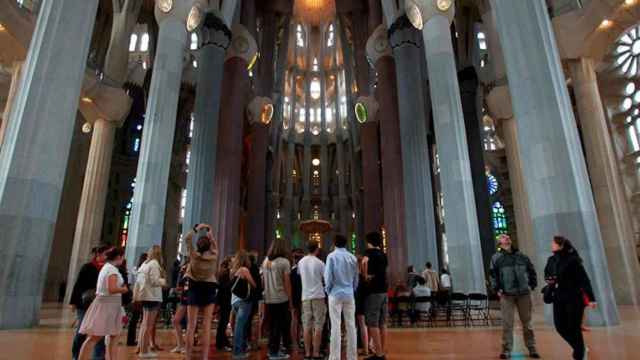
(478, 309)
(457, 310)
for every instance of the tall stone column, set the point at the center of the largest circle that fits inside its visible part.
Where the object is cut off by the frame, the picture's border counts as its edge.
(461, 220)
(499, 104)
(257, 187)
(379, 53)
(152, 177)
(468, 81)
(606, 184)
(418, 199)
(34, 154)
(371, 183)
(560, 196)
(229, 158)
(215, 37)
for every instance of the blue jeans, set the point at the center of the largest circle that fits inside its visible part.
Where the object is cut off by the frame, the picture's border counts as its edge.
(78, 340)
(243, 310)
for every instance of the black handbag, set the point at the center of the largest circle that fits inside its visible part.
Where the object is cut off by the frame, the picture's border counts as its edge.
(548, 293)
(241, 288)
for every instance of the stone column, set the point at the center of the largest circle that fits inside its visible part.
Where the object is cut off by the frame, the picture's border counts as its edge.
(125, 17)
(419, 210)
(34, 154)
(215, 39)
(606, 184)
(13, 91)
(306, 142)
(560, 196)
(257, 182)
(371, 184)
(499, 104)
(152, 177)
(88, 233)
(379, 53)
(229, 158)
(461, 220)
(468, 81)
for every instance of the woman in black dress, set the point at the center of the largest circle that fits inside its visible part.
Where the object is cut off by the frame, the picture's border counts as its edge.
(571, 292)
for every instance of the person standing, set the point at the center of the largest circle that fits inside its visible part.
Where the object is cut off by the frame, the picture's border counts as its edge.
(572, 292)
(512, 277)
(276, 270)
(82, 296)
(136, 306)
(182, 286)
(103, 319)
(296, 297)
(253, 333)
(376, 304)
(341, 282)
(412, 277)
(314, 308)
(431, 278)
(243, 286)
(223, 304)
(201, 274)
(148, 289)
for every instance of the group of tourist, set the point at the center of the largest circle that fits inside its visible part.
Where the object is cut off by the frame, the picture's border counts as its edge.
(291, 287)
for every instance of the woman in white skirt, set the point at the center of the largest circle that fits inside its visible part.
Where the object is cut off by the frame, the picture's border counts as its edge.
(104, 316)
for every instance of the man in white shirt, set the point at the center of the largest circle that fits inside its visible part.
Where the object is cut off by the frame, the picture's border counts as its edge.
(314, 308)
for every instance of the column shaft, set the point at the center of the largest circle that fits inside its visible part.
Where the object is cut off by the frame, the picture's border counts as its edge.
(391, 163)
(257, 187)
(416, 164)
(152, 177)
(371, 184)
(229, 157)
(88, 232)
(35, 152)
(202, 164)
(606, 184)
(461, 220)
(560, 196)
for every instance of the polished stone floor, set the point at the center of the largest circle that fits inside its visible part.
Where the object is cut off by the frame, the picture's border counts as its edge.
(52, 339)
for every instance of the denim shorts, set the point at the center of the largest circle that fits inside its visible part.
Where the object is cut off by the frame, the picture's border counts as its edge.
(151, 305)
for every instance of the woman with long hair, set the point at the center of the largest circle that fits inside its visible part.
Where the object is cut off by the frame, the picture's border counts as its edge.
(277, 297)
(570, 289)
(149, 282)
(201, 274)
(243, 285)
(104, 316)
(136, 306)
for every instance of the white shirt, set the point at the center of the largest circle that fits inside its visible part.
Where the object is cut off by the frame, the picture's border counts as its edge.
(445, 281)
(149, 278)
(422, 291)
(102, 287)
(311, 270)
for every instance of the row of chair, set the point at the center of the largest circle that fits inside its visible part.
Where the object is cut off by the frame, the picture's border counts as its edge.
(443, 309)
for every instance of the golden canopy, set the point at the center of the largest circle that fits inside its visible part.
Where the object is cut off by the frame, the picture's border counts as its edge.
(314, 12)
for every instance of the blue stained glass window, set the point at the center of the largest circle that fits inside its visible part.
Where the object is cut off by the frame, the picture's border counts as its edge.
(136, 145)
(499, 219)
(492, 183)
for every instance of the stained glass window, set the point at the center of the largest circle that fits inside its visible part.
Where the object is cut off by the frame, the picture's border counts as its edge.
(492, 183)
(499, 219)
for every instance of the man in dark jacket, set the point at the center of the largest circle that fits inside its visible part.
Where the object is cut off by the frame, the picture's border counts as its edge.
(81, 297)
(513, 278)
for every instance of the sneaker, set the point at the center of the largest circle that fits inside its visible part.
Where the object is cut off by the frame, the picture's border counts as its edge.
(178, 350)
(278, 356)
(505, 355)
(240, 356)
